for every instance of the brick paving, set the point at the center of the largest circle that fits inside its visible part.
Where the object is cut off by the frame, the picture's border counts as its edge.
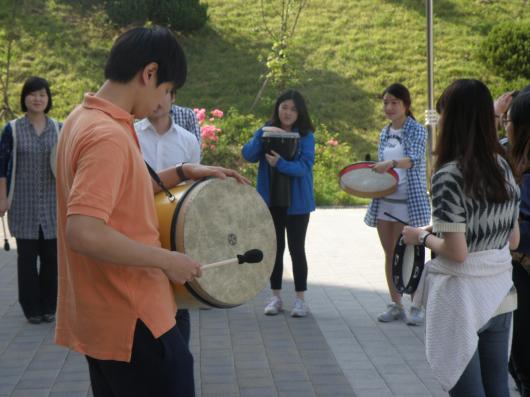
(338, 350)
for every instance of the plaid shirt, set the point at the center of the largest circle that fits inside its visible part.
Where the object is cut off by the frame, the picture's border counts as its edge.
(414, 140)
(185, 117)
(34, 198)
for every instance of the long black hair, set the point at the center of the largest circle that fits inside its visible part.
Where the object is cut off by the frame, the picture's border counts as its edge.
(520, 139)
(400, 92)
(468, 136)
(303, 121)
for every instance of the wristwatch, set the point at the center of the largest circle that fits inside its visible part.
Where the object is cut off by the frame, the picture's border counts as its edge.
(394, 163)
(180, 172)
(423, 236)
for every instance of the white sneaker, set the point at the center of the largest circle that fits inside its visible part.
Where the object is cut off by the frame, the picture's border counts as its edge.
(300, 308)
(274, 306)
(393, 312)
(415, 316)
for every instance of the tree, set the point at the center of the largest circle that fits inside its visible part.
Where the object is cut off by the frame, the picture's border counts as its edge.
(6, 113)
(280, 71)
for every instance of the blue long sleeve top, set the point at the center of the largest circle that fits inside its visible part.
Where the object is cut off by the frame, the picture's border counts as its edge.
(524, 215)
(300, 169)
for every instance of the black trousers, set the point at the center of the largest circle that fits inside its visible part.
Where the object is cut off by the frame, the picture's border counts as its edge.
(520, 356)
(160, 367)
(296, 226)
(37, 289)
(184, 324)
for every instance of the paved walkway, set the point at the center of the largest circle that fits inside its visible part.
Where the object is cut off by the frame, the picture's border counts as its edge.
(339, 350)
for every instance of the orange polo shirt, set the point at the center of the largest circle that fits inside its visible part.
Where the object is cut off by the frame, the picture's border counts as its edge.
(101, 173)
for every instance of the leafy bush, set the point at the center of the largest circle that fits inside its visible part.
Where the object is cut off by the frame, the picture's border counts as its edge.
(330, 157)
(127, 12)
(223, 136)
(506, 50)
(179, 15)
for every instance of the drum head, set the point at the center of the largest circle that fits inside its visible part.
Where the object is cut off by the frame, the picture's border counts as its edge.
(359, 180)
(218, 220)
(407, 266)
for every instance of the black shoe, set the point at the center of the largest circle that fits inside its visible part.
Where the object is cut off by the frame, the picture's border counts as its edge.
(35, 319)
(48, 318)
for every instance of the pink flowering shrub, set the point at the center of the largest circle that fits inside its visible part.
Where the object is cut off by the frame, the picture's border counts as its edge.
(223, 136)
(209, 131)
(331, 155)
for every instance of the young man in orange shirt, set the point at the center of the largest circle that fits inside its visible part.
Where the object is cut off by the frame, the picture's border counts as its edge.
(116, 305)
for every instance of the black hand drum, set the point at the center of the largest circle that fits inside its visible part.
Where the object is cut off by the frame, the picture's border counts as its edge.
(213, 220)
(407, 266)
(285, 144)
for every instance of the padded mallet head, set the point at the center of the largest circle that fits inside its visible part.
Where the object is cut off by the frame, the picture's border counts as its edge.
(251, 256)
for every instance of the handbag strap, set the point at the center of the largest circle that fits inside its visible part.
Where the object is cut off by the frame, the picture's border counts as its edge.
(159, 182)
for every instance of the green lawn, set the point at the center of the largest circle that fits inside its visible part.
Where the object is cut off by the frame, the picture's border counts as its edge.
(345, 51)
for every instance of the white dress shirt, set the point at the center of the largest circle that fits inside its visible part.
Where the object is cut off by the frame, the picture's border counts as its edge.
(162, 151)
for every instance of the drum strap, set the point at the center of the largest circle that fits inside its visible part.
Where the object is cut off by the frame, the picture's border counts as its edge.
(156, 178)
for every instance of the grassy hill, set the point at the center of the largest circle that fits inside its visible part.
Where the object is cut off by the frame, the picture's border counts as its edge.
(346, 52)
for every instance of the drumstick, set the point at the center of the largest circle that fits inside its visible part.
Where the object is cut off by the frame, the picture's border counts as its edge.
(251, 256)
(6, 243)
(396, 218)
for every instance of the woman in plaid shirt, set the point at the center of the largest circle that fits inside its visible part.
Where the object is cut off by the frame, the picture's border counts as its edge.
(401, 147)
(25, 158)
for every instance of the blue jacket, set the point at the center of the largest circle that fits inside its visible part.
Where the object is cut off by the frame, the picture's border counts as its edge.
(524, 215)
(300, 169)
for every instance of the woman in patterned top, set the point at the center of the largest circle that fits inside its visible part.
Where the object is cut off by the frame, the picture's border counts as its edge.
(467, 289)
(402, 147)
(27, 190)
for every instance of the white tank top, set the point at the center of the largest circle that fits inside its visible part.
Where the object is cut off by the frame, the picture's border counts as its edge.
(395, 150)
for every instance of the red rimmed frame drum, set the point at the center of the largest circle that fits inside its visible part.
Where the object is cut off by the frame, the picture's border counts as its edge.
(359, 180)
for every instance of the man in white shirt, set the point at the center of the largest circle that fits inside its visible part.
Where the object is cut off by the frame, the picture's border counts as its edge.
(164, 144)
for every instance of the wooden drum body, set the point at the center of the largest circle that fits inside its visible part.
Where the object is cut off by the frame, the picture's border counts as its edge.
(213, 220)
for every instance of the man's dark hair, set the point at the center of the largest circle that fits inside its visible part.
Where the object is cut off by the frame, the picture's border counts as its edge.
(138, 47)
(33, 84)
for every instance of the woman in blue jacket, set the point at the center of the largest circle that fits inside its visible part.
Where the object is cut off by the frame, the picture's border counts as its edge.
(291, 115)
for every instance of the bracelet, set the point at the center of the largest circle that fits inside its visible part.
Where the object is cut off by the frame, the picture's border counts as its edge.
(425, 239)
(180, 172)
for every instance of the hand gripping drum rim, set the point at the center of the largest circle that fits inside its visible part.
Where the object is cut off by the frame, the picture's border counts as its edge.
(402, 285)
